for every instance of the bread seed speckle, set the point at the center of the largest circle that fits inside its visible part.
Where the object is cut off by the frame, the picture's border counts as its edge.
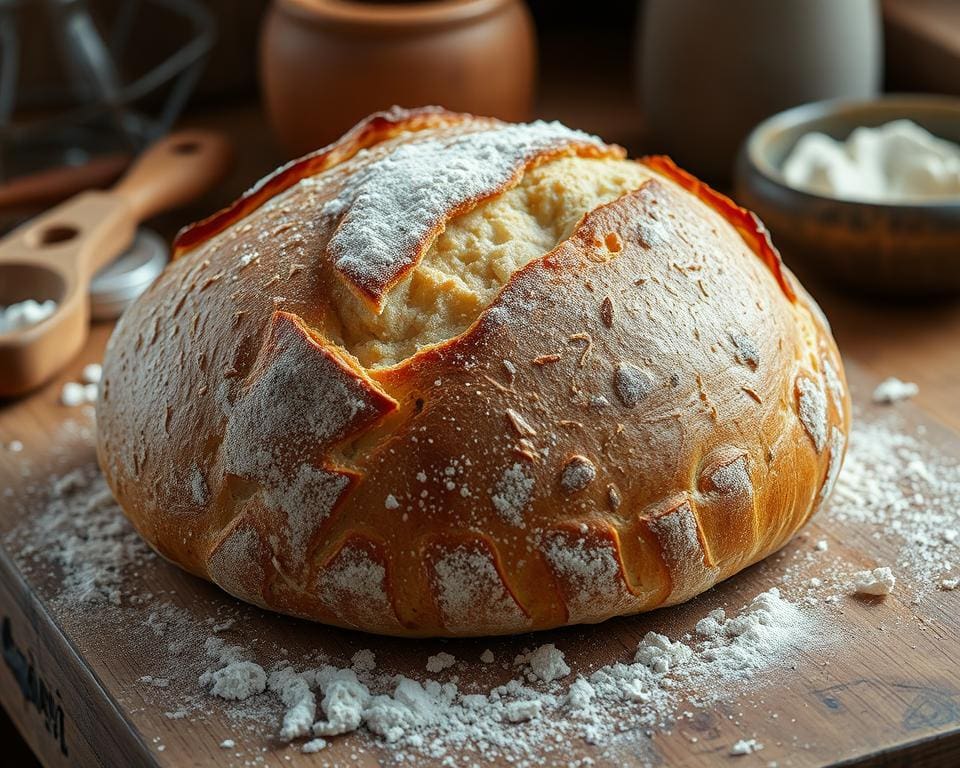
(606, 312)
(578, 473)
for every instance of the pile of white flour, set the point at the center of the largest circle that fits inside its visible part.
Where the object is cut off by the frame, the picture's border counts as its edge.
(543, 702)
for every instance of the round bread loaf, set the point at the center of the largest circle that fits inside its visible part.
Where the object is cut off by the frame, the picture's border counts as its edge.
(451, 376)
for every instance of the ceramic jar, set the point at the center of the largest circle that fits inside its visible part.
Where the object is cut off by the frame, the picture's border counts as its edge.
(324, 64)
(710, 71)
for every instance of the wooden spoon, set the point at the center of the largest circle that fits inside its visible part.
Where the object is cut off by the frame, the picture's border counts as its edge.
(55, 255)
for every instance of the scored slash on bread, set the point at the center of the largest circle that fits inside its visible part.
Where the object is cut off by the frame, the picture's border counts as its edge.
(639, 413)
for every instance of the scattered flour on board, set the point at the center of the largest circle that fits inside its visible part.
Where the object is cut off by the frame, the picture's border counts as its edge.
(513, 721)
(746, 747)
(544, 701)
(904, 491)
(893, 484)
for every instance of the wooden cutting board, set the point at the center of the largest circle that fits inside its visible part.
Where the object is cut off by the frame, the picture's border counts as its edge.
(884, 691)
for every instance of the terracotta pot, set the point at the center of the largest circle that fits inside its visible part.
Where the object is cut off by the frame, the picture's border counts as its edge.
(324, 64)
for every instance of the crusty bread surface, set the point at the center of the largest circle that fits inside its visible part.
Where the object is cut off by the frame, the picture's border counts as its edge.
(450, 376)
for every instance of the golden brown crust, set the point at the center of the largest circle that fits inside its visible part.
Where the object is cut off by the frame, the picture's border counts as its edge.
(642, 412)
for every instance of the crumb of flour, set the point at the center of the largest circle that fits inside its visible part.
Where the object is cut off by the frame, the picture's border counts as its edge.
(545, 663)
(440, 662)
(746, 747)
(314, 745)
(892, 390)
(879, 581)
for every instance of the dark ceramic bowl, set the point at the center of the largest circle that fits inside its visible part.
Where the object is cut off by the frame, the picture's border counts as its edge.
(905, 250)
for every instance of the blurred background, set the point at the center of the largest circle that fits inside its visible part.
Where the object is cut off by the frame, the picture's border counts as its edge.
(86, 84)
(85, 79)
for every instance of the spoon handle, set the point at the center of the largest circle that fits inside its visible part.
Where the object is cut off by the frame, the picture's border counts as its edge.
(174, 171)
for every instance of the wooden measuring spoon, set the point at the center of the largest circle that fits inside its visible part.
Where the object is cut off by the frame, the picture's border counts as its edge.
(55, 255)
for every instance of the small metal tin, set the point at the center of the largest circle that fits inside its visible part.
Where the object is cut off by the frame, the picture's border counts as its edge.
(117, 285)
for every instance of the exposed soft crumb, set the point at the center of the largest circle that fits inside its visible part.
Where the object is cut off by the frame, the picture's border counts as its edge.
(893, 390)
(879, 581)
(487, 657)
(746, 747)
(440, 662)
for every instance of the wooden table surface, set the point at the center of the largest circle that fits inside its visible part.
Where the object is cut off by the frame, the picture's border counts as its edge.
(97, 661)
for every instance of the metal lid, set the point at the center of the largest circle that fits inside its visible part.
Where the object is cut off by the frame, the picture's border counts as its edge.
(118, 284)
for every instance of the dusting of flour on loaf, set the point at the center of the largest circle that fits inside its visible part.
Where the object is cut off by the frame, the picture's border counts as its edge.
(592, 574)
(391, 205)
(265, 434)
(732, 477)
(678, 534)
(632, 384)
(838, 442)
(812, 409)
(512, 494)
(469, 588)
(353, 578)
(577, 474)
